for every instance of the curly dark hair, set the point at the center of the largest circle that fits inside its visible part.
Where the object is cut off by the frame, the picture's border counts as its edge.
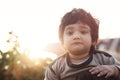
(83, 16)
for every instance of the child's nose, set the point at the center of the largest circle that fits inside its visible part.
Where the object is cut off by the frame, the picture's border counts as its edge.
(77, 36)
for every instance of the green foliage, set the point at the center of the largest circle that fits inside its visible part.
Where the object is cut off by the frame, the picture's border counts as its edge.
(25, 70)
(17, 66)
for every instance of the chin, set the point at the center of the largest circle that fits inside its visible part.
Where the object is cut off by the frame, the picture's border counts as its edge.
(76, 53)
(79, 51)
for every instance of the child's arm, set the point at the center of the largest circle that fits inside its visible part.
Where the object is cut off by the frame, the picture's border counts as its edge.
(106, 70)
(110, 68)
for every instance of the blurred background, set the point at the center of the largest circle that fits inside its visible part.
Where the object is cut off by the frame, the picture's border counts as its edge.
(29, 33)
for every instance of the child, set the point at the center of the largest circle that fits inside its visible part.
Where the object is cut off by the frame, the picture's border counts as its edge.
(78, 34)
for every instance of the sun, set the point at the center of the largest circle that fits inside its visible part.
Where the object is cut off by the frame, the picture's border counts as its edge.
(39, 53)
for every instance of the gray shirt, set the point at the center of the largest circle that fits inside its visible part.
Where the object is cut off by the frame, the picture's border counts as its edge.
(63, 69)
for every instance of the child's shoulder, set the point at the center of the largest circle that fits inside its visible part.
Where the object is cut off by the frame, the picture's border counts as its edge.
(102, 53)
(104, 58)
(59, 60)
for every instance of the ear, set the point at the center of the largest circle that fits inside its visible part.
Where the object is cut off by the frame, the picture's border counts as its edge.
(94, 43)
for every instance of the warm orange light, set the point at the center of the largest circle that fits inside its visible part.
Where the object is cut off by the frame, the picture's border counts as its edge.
(42, 54)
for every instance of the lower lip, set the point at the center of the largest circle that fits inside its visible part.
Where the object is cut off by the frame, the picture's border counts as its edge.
(77, 43)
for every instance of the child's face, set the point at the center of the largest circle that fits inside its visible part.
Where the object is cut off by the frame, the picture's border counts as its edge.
(77, 38)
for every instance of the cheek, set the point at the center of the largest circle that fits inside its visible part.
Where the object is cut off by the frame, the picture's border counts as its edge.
(65, 39)
(66, 42)
(88, 41)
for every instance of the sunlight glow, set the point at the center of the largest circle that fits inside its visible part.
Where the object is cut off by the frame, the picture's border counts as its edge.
(6, 67)
(18, 62)
(0, 56)
(42, 54)
(36, 24)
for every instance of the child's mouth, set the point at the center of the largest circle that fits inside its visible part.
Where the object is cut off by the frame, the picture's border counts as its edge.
(77, 43)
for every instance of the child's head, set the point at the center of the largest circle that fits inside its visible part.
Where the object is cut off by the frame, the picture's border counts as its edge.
(79, 16)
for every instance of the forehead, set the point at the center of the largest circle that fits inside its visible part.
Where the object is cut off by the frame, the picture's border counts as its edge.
(77, 25)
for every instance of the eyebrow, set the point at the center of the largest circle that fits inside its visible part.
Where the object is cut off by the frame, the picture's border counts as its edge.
(82, 27)
(69, 27)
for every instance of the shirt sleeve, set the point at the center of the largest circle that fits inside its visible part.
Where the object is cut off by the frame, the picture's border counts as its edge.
(115, 62)
(50, 74)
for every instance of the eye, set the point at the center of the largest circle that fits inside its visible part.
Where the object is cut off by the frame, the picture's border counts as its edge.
(84, 32)
(69, 32)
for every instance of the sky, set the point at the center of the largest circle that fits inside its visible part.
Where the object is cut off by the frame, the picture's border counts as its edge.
(36, 22)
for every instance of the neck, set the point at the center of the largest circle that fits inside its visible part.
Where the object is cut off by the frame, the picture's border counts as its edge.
(77, 58)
